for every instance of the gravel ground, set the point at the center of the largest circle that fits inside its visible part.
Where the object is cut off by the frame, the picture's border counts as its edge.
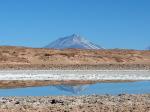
(94, 103)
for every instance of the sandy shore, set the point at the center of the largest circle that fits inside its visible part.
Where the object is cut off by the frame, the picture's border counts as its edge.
(74, 75)
(112, 66)
(95, 103)
(34, 83)
(28, 78)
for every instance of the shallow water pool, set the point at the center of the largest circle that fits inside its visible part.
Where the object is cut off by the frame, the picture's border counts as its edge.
(138, 87)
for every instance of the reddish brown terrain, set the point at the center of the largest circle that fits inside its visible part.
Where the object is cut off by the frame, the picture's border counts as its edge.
(32, 57)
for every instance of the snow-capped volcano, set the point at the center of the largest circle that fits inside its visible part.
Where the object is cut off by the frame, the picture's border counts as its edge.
(73, 41)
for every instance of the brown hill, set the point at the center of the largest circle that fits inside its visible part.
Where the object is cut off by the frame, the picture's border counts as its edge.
(37, 56)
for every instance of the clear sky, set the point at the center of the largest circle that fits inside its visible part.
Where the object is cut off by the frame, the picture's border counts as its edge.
(109, 23)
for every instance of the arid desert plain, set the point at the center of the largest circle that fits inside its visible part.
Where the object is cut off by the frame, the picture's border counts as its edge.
(23, 67)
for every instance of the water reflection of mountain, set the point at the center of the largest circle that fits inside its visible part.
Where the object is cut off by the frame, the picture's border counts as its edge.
(75, 89)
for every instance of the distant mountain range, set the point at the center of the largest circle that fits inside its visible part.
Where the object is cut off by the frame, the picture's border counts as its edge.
(73, 41)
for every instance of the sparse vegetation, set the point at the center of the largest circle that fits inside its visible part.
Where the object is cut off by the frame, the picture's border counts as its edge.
(21, 55)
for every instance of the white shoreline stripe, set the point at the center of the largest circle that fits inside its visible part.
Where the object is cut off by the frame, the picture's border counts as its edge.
(75, 75)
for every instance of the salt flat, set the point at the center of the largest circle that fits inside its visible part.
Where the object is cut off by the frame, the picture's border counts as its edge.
(75, 75)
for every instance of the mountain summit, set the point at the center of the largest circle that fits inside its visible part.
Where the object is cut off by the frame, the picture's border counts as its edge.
(72, 41)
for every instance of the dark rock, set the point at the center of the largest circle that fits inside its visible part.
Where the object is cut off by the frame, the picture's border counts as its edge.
(17, 102)
(56, 101)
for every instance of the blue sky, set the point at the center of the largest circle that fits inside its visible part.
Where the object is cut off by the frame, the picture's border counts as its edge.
(109, 23)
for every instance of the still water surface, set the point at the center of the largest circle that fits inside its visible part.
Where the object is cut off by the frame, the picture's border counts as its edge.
(89, 89)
